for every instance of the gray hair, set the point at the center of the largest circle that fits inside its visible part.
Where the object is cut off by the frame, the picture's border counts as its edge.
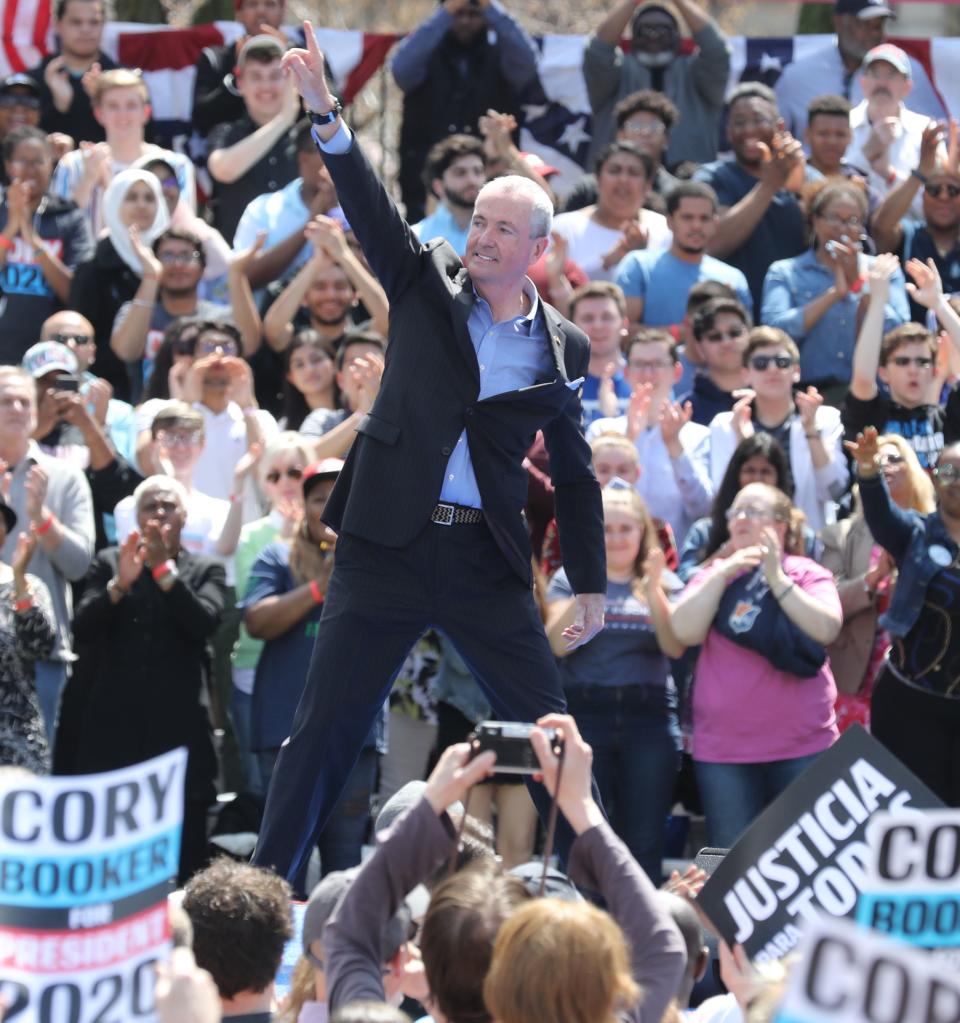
(288, 440)
(541, 212)
(160, 482)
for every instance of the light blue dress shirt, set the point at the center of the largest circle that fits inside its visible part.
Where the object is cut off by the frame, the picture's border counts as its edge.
(440, 224)
(511, 354)
(826, 350)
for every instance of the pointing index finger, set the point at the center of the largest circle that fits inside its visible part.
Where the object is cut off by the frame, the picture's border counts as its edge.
(313, 47)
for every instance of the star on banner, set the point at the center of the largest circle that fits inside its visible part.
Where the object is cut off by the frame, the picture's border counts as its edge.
(573, 135)
(770, 62)
(534, 111)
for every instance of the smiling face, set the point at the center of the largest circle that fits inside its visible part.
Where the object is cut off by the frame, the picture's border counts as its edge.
(461, 182)
(162, 505)
(857, 36)
(281, 480)
(603, 323)
(330, 296)
(261, 86)
(19, 105)
(893, 465)
(941, 209)
(123, 112)
(622, 186)
(31, 162)
(311, 370)
(18, 409)
(614, 461)
(839, 219)
(753, 510)
(182, 266)
(499, 247)
(752, 120)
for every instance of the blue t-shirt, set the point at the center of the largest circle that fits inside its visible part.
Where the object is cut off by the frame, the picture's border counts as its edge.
(780, 234)
(590, 401)
(663, 282)
(625, 653)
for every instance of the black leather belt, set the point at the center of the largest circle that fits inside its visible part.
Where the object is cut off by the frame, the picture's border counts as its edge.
(455, 515)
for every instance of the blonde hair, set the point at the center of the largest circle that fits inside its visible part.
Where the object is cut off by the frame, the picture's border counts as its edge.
(923, 497)
(118, 78)
(615, 440)
(288, 440)
(629, 501)
(303, 989)
(559, 962)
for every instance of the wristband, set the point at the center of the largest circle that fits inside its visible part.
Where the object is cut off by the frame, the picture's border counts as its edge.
(786, 590)
(812, 436)
(44, 526)
(250, 410)
(6, 244)
(315, 592)
(145, 302)
(233, 498)
(23, 605)
(916, 173)
(892, 176)
(857, 284)
(164, 568)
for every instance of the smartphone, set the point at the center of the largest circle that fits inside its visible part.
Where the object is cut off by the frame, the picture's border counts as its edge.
(67, 382)
(510, 740)
(831, 246)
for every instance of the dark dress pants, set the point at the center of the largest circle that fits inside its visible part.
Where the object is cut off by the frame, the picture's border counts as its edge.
(378, 603)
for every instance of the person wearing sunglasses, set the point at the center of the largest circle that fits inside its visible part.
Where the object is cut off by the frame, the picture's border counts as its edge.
(763, 693)
(808, 430)
(936, 234)
(915, 711)
(817, 297)
(720, 329)
(866, 577)
(907, 360)
(280, 473)
(19, 104)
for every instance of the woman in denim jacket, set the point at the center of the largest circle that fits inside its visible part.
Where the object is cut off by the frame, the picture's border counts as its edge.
(915, 710)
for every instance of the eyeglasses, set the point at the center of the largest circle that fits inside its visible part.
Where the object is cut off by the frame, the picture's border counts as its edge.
(894, 459)
(947, 474)
(652, 128)
(761, 362)
(65, 338)
(292, 473)
(179, 440)
(935, 191)
(920, 361)
(649, 367)
(178, 258)
(748, 513)
(41, 161)
(13, 100)
(716, 336)
(170, 183)
(658, 31)
(216, 348)
(835, 220)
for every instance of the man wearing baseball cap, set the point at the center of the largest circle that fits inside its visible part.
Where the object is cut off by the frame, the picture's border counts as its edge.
(886, 134)
(861, 25)
(695, 83)
(19, 103)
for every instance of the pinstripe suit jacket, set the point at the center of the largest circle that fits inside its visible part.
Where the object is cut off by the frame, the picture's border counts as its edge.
(429, 393)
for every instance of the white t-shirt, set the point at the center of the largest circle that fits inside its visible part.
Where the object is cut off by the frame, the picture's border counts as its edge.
(206, 517)
(589, 241)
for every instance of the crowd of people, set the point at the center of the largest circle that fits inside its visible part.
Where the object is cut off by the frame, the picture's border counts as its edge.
(765, 277)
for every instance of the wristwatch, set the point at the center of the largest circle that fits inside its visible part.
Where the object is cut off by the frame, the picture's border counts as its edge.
(915, 173)
(326, 118)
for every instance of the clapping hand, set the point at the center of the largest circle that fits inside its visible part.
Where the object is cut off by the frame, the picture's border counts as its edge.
(152, 267)
(742, 415)
(673, 418)
(638, 410)
(772, 553)
(926, 287)
(808, 402)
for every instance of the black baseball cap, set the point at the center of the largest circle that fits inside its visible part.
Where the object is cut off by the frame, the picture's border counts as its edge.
(865, 10)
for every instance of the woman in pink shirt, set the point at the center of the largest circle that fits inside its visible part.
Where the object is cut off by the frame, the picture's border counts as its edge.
(763, 692)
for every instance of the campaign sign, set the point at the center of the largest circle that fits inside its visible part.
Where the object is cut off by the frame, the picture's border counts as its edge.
(912, 888)
(85, 871)
(807, 852)
(845, 974)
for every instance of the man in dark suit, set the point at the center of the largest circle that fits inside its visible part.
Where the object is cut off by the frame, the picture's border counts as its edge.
(428, 505)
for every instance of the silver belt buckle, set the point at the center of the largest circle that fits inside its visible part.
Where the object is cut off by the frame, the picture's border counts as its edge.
(443, 514)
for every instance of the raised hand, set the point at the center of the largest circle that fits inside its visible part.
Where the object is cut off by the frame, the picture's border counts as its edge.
(327, 237)
(864, 451)
(240, 261)
(926, 288)
(59, 83)
(152, 267)
(772, 554)
(35, 486)
(130, 561)
(635, 235)
(808, 402)
(742, 421)
(638, 410)
(930, 142)
(781, 160)
(740, 561)
(455, 774)
(879, 273)
(26, 545)
(557, 255)
(89, 80)
(308, 68)
(673, 417)
(654, 566)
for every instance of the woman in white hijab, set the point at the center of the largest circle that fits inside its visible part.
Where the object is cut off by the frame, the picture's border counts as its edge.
(100, 287)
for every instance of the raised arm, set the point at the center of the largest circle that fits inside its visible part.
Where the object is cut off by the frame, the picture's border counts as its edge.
(278, 323)
(866, 354)
(886, 224)
(391, 247)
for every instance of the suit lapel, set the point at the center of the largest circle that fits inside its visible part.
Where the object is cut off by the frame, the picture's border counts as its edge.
(463, 300)
(557, 338)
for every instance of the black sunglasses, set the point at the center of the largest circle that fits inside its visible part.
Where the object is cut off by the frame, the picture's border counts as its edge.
(292, 474)
(935, 191)
(761, 362)
(920, 361)
(716, 336)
